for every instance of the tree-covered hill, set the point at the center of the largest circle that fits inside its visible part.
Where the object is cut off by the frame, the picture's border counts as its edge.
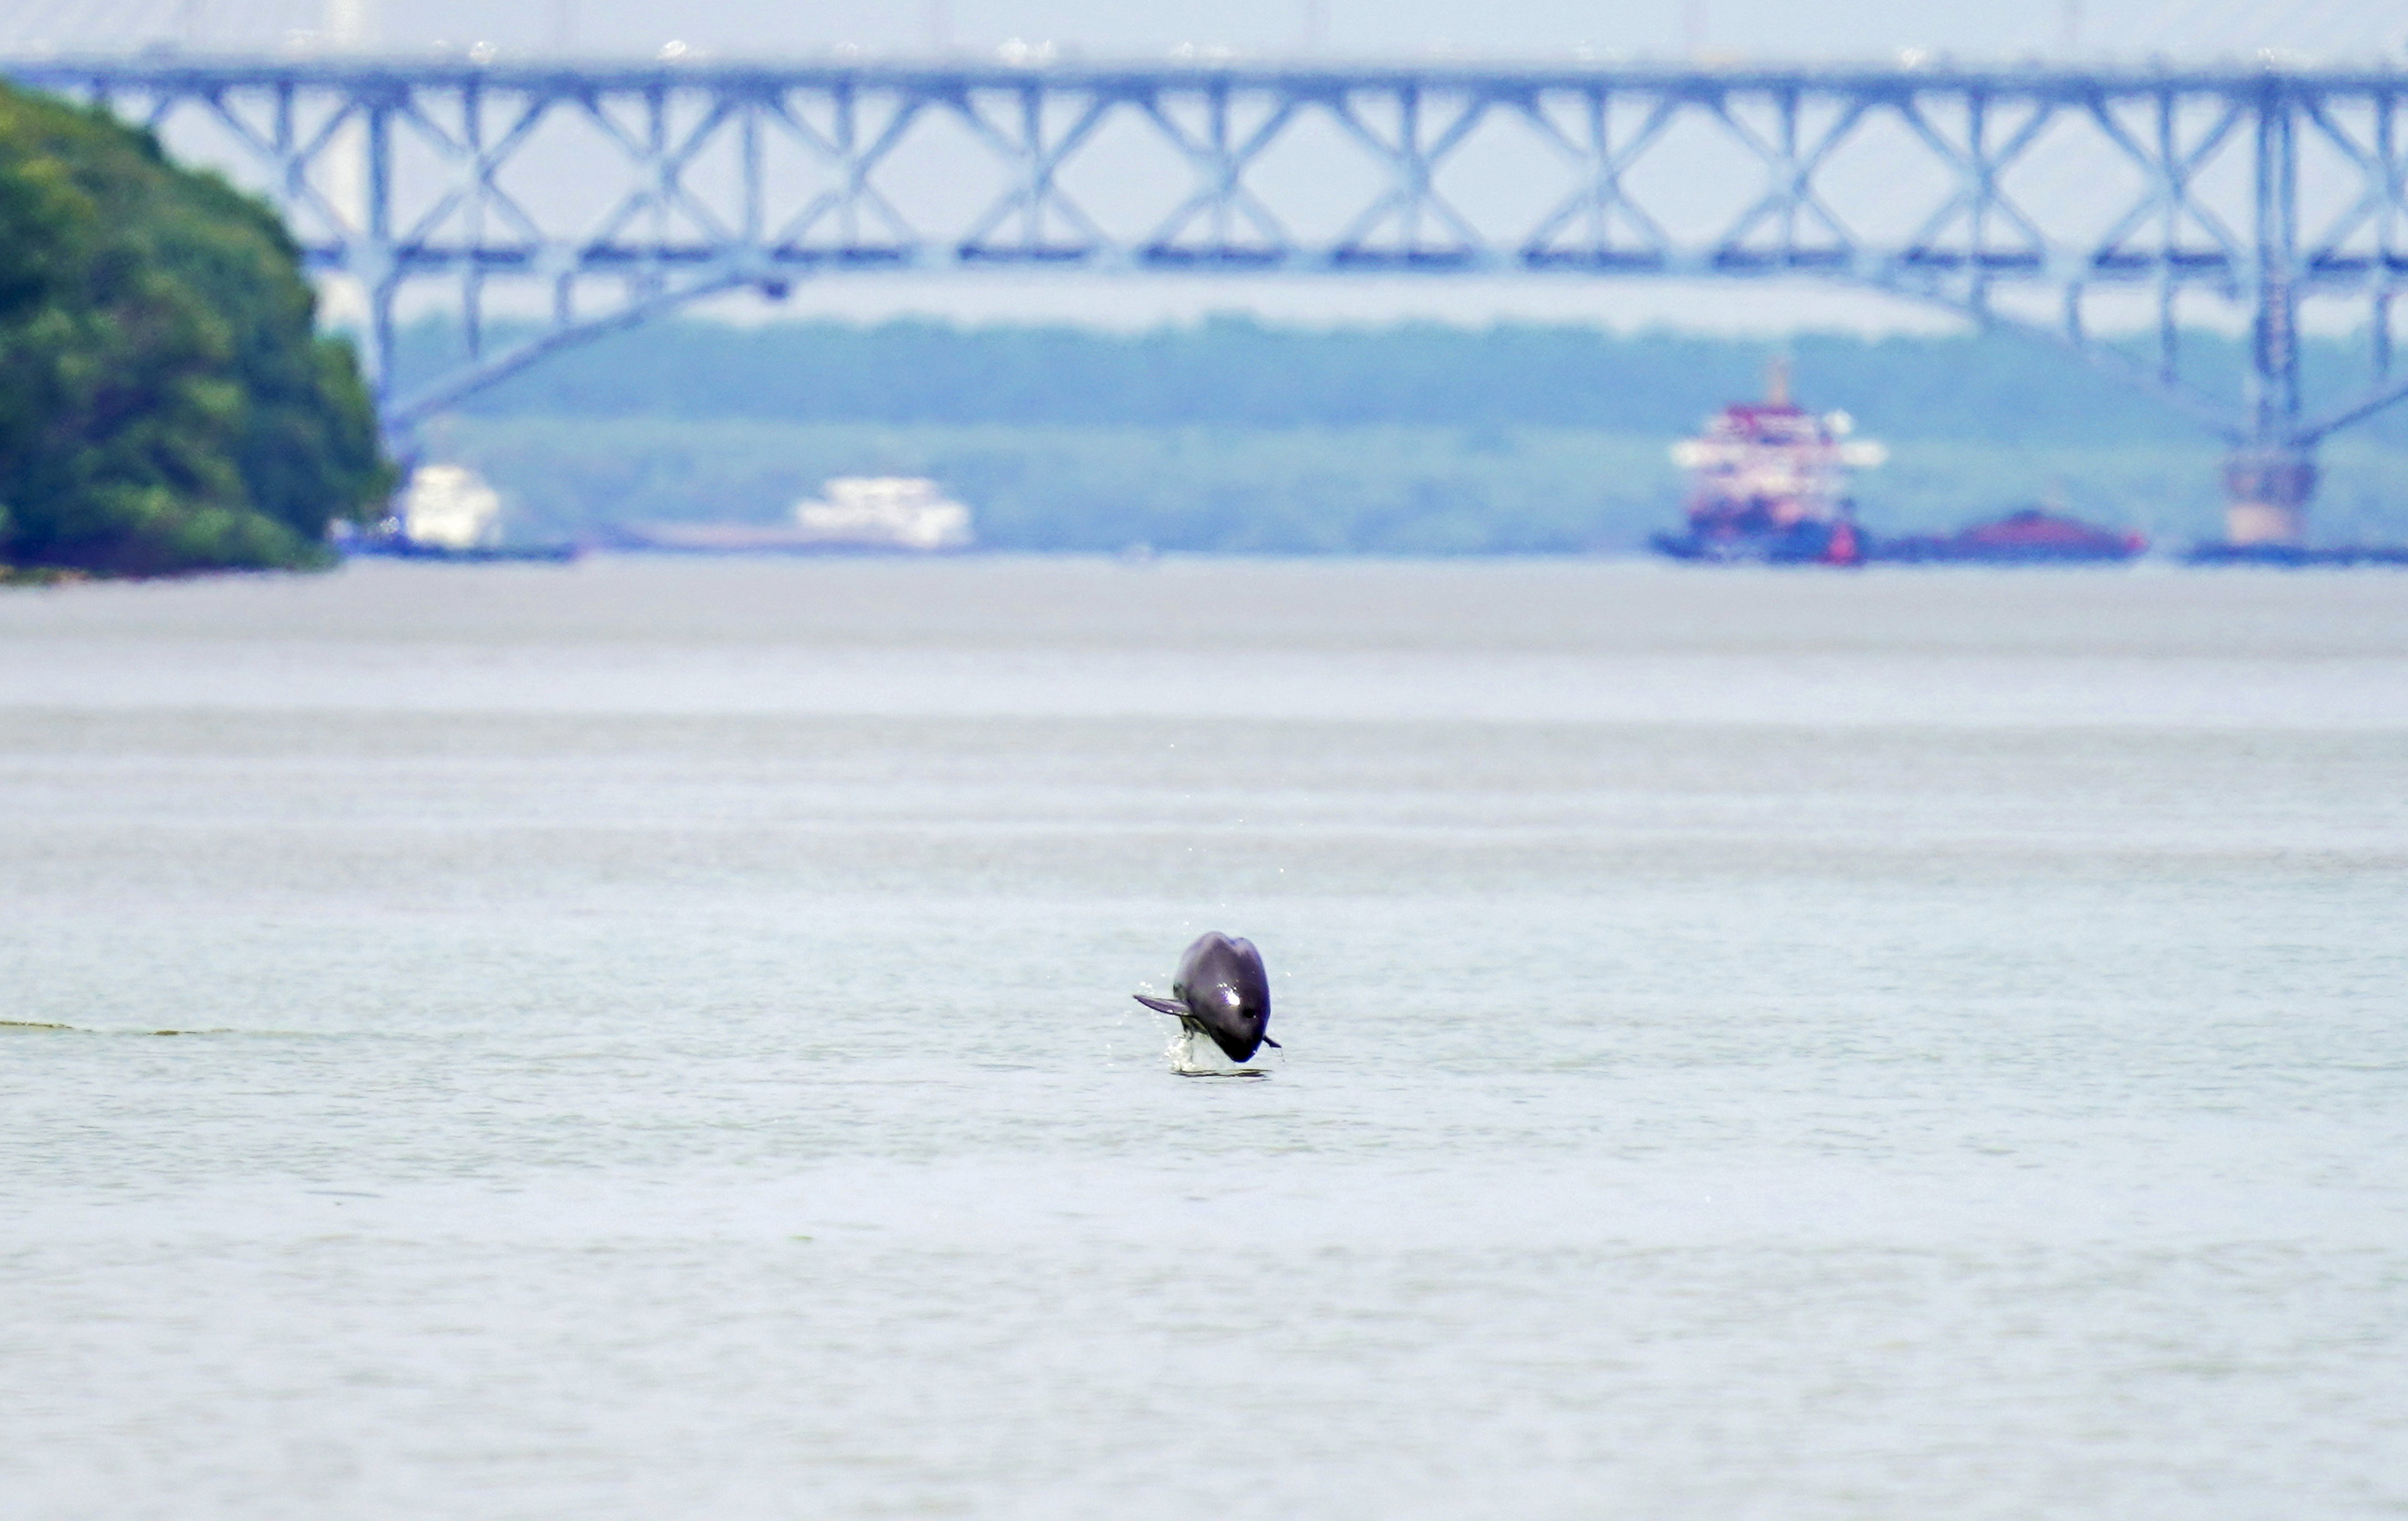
(1997, 390)
(165, 401)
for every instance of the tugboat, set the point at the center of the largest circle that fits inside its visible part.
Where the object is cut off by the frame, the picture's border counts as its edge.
(1767, 485)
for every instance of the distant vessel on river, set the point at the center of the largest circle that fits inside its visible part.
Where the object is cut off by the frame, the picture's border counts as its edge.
(852, 515)
(446, 512)
(1769, 485)
(2033, 536)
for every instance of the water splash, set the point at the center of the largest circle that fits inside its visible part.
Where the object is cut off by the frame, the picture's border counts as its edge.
(1192, 1054)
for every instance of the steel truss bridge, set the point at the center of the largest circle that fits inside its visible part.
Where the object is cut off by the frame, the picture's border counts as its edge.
(540, 204)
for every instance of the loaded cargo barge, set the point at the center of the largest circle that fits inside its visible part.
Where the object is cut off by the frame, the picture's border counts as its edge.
(2032, 537)
(1768, 486)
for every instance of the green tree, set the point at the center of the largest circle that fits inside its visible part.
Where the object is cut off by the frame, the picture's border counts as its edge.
(166, 403)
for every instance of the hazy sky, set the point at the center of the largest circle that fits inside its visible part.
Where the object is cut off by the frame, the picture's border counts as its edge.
(1759, 28)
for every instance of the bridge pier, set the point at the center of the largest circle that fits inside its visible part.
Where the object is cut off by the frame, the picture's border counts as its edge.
(2266, 493)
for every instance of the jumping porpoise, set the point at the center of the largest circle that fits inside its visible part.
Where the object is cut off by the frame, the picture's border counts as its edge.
(1222, 991)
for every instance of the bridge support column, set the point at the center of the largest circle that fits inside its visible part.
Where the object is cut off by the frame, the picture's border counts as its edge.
(2266, 493)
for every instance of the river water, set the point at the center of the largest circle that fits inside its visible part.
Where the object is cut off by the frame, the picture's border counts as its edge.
(654, 1041)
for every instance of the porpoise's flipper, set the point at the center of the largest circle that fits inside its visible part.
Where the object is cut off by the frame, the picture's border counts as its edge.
(1161, 1006)
(1273, 1044)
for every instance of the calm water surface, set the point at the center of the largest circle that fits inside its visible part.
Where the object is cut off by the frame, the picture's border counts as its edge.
(656, 1042)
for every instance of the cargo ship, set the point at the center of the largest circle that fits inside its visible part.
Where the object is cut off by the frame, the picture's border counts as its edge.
(1767, 484)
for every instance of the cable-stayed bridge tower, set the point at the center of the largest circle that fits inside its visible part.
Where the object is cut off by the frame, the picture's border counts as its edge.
(2113, 210)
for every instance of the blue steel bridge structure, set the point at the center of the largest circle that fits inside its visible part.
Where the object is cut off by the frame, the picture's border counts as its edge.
(2113, 210)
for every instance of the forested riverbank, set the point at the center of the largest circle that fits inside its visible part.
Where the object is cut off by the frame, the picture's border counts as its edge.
(1232, 435)
(166, 403)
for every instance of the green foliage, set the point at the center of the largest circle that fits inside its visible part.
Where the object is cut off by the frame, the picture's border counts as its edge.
(165, 402)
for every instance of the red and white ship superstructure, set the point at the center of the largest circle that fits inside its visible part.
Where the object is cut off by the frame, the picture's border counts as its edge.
(1769, 482)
